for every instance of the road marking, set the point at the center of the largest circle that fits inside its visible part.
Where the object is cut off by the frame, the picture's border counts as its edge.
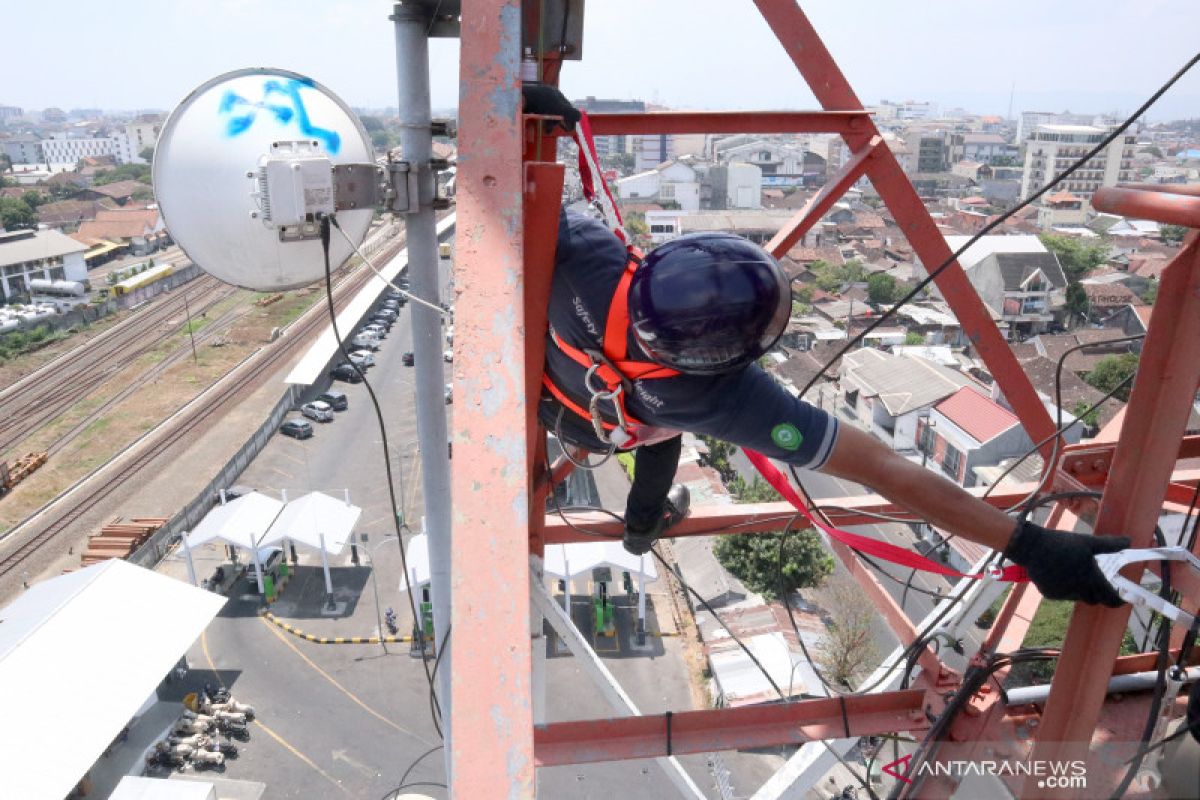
(286, 746)
(278, 471)
(337, 685)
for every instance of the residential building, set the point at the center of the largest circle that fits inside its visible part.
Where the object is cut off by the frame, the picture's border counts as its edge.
(907, 110)
(669, 182)
(968, 430)
(779, 164)
(1062, 209)
(735, 185)
(1028, 290)
(650, 149)
(1050, 149)
(26, 255)
(889, 394)
(985, 147)
(137, 136)
(8, 113)
(139, 229)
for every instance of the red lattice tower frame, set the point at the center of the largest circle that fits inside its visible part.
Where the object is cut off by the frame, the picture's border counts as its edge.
(509, 189)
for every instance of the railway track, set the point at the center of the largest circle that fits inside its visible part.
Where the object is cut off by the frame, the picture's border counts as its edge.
(196, 416)
(43, 395)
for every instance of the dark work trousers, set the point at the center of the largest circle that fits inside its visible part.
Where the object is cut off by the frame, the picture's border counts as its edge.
(654, 470)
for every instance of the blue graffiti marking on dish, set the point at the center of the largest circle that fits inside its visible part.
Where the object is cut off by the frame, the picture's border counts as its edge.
(242, 112)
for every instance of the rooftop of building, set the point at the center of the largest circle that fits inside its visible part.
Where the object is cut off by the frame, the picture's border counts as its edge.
(980, 417)
(19, 247)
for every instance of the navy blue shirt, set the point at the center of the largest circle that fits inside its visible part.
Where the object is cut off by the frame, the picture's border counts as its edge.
(745, 407)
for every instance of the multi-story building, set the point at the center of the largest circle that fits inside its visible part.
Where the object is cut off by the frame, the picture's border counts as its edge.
(1050, 149)
(607, 145)
(50, 255)
(909, 109)
(23, 150)
(137, 136)
(69, 151)
(10, 113)
(1031, 119)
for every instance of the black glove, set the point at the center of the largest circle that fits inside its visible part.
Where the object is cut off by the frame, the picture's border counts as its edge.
(1062, 565)
(548, 101)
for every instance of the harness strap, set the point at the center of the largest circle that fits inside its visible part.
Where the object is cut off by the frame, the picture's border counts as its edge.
(570, 404)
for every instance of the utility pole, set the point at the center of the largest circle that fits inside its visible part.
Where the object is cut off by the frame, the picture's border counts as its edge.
(188, 312)
(413, 23)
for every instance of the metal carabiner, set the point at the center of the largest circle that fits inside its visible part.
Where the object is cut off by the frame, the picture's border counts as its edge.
(612, 396)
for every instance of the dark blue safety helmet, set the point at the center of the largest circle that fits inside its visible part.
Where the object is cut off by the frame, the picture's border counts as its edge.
(708, 303)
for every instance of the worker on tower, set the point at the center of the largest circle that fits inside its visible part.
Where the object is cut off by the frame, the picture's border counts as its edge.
(641, 349)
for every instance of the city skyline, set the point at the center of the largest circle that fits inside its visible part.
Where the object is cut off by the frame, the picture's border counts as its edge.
(933, 56)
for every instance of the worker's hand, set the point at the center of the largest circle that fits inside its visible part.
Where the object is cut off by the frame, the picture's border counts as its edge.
(1063, 565)
(548, 101)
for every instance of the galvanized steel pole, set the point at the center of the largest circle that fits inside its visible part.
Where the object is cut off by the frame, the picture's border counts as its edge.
(416, 142)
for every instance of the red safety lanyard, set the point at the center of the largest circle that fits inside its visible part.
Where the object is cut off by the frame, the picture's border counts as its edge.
(872, 547)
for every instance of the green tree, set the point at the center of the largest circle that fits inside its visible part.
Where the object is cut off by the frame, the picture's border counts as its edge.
(1077, 302)
(635, 223)
(1154, 151)
(15, 214)
(122, 172)
(372, 124)
(1111, 371)
(881, 289)
(381, 140)
(1078, 257)
(147, 154)
(1091, 418)
(1151, 293)
(914, 338)
(1172, 234)
(34, 198)
(754, 559)
(853, 271)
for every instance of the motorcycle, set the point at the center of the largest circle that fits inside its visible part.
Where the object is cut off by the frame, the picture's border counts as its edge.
(194, 740)
(389, 619)
(207, 759)
(234, 730)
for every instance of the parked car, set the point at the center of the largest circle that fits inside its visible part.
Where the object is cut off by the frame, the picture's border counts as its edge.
(448, 356)
(378, 328)
(364, 341)
(391, 303)
(385, 322)
(394, 294)
(345, 371)
(318, 410)
(336, 400)
(297, 429)
(387, 312)
(363, 358)
(407, 359)
(449, 394)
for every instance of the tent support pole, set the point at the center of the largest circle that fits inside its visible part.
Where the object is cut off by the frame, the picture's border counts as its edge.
(187, 551)
(325, 567)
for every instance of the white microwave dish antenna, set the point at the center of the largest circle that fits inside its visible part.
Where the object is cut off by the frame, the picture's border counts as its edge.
(215, 156)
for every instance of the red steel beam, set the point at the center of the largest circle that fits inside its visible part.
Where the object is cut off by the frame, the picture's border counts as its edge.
(491, 708)
(765, 725)
(833, 91)
(1169, 207)
(731, 122)
(822, 201)
(1159, 406)
(752, 517)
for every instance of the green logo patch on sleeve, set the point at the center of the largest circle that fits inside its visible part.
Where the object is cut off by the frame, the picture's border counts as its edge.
(786, 436)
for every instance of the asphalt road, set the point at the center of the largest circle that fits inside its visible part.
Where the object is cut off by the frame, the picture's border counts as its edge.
(349, 720)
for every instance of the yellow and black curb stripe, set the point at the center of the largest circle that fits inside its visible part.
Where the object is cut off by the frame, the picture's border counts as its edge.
(308, 637)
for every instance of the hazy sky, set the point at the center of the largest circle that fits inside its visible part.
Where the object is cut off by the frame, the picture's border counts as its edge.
(1082, 55)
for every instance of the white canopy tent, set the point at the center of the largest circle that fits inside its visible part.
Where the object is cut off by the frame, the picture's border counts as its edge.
(318, 521)
(417, 558)
(569, 561)
(87, 647)
(243, 523)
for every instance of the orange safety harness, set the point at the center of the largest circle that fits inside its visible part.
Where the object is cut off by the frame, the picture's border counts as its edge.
(611, 365)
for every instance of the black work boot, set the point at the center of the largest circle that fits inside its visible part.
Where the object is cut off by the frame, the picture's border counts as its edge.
(638, 541)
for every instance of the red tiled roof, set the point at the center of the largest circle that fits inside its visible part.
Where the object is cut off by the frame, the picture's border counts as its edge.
(981, 417)
(974, 200)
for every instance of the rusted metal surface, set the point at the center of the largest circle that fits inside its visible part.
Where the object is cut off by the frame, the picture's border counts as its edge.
(1141, 469)
(822, 201)
(729, 728)
(1168, 207)
(492, 714)
(730, 122)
